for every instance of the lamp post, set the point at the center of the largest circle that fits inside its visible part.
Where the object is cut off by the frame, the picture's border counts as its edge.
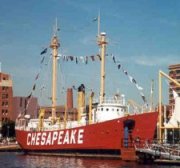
(8, 133)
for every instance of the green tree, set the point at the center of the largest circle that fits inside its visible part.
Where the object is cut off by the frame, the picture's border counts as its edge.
(8, 129)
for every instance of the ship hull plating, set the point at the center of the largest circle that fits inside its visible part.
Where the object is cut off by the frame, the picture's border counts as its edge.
(99, 138)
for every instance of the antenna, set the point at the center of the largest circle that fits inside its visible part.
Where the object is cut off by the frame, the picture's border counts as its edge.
(55, 27)
(99, 22)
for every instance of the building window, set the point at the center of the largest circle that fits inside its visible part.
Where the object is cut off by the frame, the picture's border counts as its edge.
(3, 112)
(4, 96)
(178, 71)
(4, 104)
(4, 88)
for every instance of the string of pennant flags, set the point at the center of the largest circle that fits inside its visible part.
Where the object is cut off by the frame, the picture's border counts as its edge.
(80, 59)
(85, 59)
(131, 79)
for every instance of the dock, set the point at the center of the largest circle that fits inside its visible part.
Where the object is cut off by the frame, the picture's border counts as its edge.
(10, 148)
(142, 153)
(158, 153)
(167, 162)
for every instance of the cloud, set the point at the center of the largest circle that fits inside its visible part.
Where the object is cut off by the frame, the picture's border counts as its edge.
(88, 40)
(167, 22)
(80, 6)
(146, 60)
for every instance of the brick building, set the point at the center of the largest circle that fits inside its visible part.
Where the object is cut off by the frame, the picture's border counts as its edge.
(6, 94)
(60, 113)
(60, 110)
(21, 105)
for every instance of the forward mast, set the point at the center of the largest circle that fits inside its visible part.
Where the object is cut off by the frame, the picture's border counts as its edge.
(54, 45)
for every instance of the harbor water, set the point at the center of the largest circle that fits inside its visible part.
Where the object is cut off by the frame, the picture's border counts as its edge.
(19, 160)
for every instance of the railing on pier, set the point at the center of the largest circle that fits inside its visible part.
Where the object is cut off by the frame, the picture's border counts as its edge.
(158, 150)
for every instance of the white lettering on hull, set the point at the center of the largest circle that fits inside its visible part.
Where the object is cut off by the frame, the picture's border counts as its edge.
(60, 138)
(43, 138)
(56, 138)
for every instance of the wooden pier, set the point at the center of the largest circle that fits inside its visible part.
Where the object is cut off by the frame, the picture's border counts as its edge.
(10, 148)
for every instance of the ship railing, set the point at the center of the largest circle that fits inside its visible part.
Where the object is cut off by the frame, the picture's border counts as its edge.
(136, 143)
(112, 100)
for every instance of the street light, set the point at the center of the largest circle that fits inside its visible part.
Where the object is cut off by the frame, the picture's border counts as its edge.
(8, 132)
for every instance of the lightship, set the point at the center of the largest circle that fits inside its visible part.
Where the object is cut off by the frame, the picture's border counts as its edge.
(101, 132)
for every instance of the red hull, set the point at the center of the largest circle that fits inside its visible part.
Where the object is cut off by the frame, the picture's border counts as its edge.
(107, 135)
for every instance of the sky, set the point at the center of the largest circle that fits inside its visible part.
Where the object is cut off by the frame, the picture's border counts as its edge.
(143, 35)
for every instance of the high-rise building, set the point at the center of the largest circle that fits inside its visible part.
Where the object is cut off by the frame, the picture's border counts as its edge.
(174, 72)
(6, 94)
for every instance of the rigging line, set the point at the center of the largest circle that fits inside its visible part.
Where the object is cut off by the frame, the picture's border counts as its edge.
(34, 84)
(62, 76)
(48, 74)
(114, 42)
(79, 28)
(63, 84)
(167, 82)
(61, 79)
(45, 81)
(61, 70)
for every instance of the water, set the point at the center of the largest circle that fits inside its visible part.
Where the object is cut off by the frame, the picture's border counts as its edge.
(18, 160)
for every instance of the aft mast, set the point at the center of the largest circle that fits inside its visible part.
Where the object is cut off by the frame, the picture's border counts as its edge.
(54, 45)
(102, 44)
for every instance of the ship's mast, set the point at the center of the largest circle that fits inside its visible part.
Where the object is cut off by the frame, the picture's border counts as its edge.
(54, 45)
(101, 38)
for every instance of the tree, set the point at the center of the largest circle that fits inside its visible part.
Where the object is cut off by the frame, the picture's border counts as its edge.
(8, 129)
